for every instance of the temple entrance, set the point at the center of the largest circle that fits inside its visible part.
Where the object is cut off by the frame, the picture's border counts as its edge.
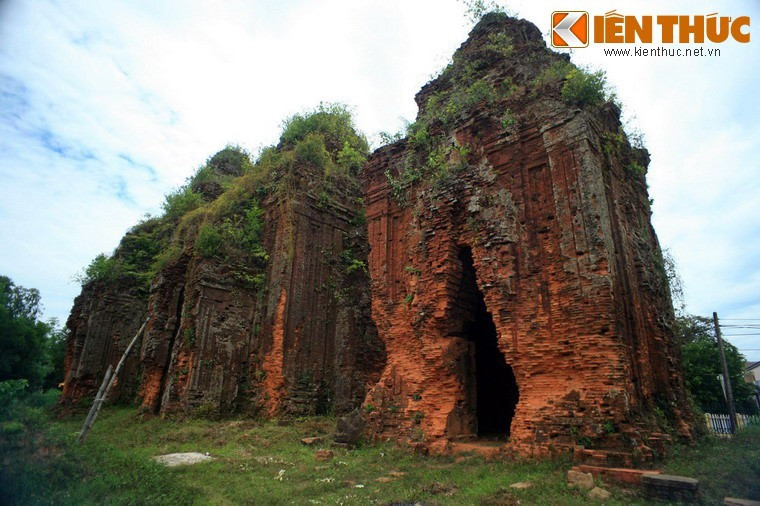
(491, 379)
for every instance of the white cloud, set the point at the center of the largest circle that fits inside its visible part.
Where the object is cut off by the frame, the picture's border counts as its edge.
(106, 106)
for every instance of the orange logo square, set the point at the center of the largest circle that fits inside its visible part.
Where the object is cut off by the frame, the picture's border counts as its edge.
(569, 29)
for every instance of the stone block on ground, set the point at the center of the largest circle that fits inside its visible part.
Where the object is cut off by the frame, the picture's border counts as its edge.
(324, 455)
(579, 479)
(182, 459)
(736, 501)
(670, 488)
(599, 494)
(350, 428)
(620, 475)
(521, 485)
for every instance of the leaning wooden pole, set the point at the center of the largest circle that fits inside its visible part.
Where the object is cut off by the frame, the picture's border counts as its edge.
(105, 387)
(95, 405)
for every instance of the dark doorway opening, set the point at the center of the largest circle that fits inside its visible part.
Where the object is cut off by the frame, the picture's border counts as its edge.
(495, 383)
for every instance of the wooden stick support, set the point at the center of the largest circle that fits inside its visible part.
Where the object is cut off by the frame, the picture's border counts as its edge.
(105, 388)
(95, 406)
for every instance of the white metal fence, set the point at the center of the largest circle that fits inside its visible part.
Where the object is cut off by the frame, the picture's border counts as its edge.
(721, 424)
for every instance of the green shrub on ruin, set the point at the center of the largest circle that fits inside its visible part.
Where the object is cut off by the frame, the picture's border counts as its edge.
(582, 88)
(333, 121)
(180, 201)
(209, 241)
(350, 158)
(101, 268)
(311, 150)
(552, 75)
(232, 160)
(217, 213)
(132, 261)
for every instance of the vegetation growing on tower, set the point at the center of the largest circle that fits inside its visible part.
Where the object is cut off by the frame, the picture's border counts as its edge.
(485, 79)
(218, 212)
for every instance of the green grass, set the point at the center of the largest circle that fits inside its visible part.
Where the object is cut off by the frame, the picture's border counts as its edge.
(43, 465)
(724, 467)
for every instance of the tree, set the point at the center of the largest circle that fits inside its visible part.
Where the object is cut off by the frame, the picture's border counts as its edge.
(56, 352)
(701, 364)
(23, 338)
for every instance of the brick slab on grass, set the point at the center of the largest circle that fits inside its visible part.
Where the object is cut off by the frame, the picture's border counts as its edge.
(670, 488)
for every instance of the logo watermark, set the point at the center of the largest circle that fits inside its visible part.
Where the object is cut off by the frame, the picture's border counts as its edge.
(662, 51)
(572, 29)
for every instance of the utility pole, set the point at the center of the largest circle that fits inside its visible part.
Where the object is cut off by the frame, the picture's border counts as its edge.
(726, 378)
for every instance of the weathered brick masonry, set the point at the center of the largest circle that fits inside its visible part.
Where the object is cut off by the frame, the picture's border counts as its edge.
(301, 343)
(517, 290)
(558, 231)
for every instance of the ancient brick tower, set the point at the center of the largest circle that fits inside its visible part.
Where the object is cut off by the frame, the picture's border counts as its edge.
(517, 286)
(517, 281)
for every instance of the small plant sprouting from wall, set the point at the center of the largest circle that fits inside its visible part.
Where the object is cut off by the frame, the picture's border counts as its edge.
(351, 263)
(612, 142)
(189, 335)
(636, 169)
(359, 218)
(508, 120)
(412, 270)
(432, 157)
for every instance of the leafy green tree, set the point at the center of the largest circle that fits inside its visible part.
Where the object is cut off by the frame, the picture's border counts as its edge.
(701, 364)
(23, 339)
(56, 351)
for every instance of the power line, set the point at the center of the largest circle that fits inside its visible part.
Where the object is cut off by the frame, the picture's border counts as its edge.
(736, 335)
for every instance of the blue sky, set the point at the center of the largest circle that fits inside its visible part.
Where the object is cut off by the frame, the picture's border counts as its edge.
(104, 107)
